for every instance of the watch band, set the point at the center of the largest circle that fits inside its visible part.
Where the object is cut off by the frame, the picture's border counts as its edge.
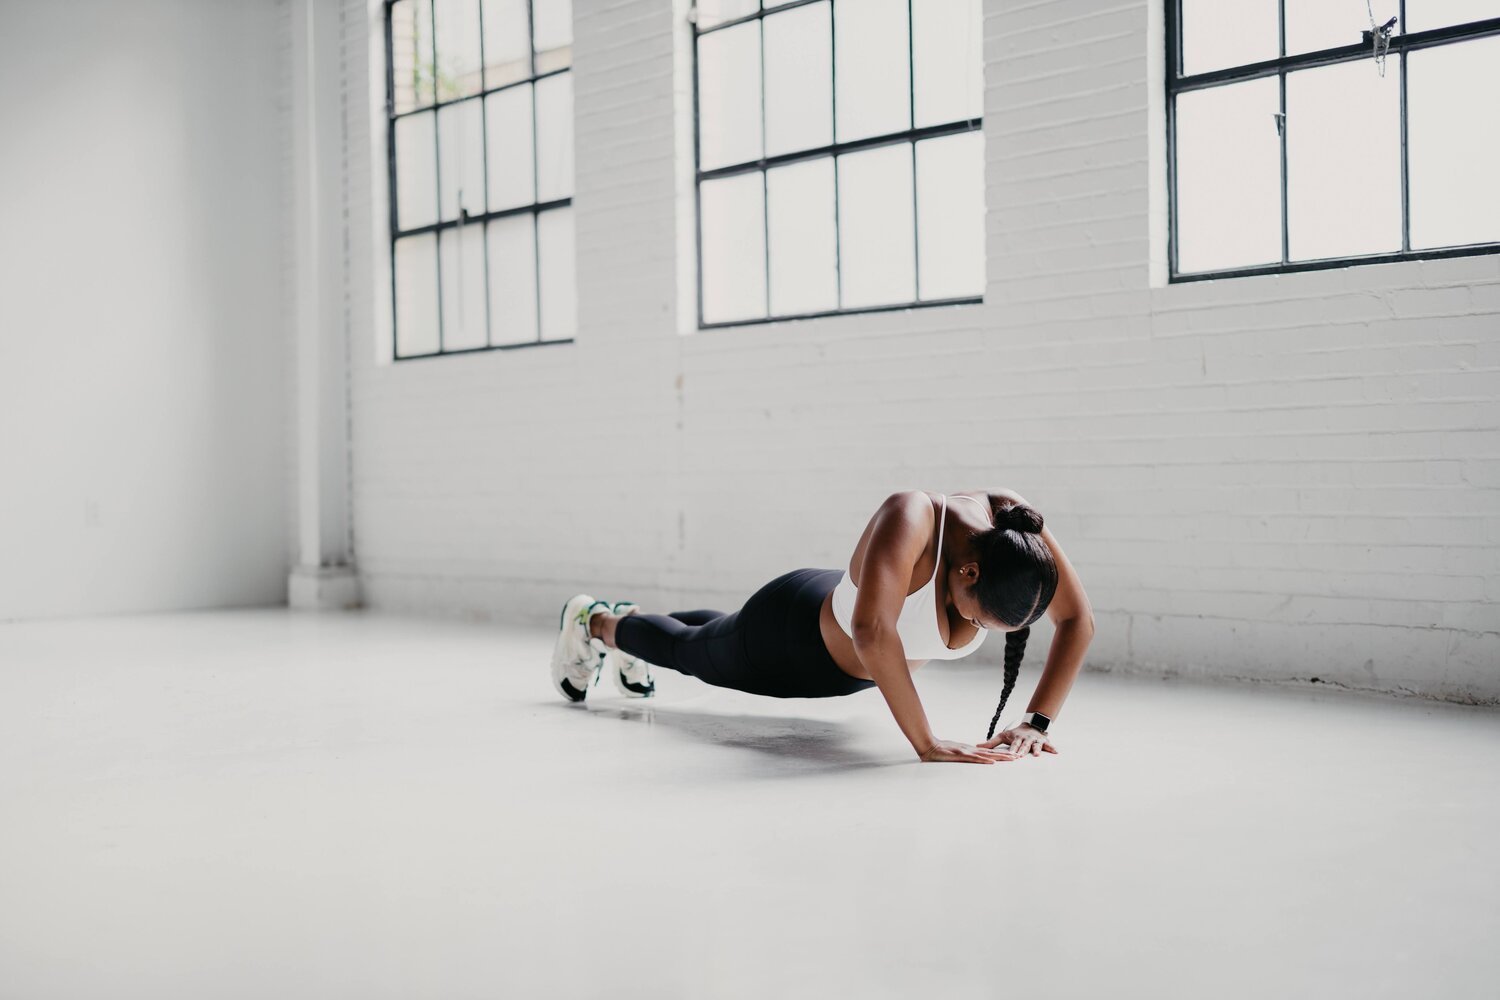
(1037, 721)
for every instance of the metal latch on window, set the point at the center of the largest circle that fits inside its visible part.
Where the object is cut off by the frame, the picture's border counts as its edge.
(1385, 31)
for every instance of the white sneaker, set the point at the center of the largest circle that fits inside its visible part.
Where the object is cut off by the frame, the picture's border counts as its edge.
(577, 657)
(631, 673)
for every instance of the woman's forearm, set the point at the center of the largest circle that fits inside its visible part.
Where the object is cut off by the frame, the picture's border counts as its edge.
(882, 655)
(1064, 660)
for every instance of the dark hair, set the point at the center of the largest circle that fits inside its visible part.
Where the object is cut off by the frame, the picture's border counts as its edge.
(1017, 578)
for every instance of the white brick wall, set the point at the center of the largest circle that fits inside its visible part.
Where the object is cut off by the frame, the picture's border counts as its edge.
(1275, 478)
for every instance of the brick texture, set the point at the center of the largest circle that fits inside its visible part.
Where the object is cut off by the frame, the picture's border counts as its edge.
(1273, 478)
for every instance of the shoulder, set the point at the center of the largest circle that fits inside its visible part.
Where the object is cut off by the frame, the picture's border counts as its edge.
(907, 501)
(904, 521)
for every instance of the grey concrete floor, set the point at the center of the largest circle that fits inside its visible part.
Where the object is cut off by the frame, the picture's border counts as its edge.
(271, 804)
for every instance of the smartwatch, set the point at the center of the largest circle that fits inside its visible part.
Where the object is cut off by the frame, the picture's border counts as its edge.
(1037, 721)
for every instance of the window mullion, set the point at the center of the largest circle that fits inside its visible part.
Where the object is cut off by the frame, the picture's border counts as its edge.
(765, 184)
(437, 172)
(484, 159)
(698, 174)
(1405, 183)
(536, 161)
(1174, 71)
(911, 123)
(833, 135)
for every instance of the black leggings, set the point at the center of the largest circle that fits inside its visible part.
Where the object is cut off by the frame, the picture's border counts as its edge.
(772, 646)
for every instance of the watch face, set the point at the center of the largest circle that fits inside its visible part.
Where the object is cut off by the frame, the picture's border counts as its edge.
(1039, 721)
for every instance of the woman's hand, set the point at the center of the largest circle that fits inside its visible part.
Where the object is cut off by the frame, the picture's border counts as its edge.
(964, 753)
(1023, 740)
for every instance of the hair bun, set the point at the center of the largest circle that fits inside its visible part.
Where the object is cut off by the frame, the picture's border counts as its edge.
(1020, 517)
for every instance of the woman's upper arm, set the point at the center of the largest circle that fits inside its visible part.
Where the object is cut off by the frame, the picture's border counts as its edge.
(1070, 602)
(897, 539)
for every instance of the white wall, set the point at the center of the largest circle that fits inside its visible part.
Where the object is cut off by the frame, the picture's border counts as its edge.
(142, 339)
(1275, 477)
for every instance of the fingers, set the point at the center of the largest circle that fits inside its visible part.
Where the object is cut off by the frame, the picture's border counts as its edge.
(984, 753)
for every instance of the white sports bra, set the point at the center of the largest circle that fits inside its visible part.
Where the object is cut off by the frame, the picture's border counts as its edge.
(917, 624)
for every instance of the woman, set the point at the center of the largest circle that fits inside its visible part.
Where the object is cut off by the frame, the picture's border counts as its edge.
(927, 581)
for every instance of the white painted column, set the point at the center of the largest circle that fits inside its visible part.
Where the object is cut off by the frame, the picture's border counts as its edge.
(324, 577)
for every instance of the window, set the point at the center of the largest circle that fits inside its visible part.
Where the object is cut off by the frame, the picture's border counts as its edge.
(1310, 134)
(479, 105)
(840, 162)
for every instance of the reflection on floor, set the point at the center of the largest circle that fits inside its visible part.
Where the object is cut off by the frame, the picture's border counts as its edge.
(267, 804)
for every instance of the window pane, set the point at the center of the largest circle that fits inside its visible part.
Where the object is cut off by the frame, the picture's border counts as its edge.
(804, 275)
(460, 159)
(507, 46)
(874, 89)
(1343, 160)
(950, 216)
(799, 79)
(508, 131)
(411, 53)
(553, 21)
(947, 43)
(729, 96)
(416, 171)
(712, 12)
(555, 259)
(734, 247)
(1228, 176)
(461, 251)
(876, 244)
(554, 137)
(1216, 34)
(1330, 24)
(457, 25)
(416, 295)
(1454, 151)
(1424, 14)
(512, 263)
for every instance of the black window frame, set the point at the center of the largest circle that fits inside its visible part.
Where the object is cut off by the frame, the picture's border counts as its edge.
(833, 150)
(535, 209)
(1400, 44)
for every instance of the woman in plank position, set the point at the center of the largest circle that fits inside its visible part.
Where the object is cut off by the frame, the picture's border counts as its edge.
(927, 581)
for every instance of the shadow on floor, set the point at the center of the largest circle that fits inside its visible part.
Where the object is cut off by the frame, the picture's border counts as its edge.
(798, 745)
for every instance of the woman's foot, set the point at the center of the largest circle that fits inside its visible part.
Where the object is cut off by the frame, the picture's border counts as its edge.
(576, 659)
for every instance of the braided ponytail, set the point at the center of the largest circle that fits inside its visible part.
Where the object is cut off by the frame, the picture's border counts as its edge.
(1028, 579)
(1015, 648)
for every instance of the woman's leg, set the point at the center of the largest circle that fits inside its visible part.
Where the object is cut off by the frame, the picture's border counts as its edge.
(771, 646)
(708, 651)
(702, 617)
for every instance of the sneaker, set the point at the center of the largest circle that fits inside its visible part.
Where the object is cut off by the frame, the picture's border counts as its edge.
(577, 657)
(631, 673)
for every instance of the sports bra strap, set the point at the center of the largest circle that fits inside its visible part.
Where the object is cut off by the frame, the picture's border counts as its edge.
(938, 557)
